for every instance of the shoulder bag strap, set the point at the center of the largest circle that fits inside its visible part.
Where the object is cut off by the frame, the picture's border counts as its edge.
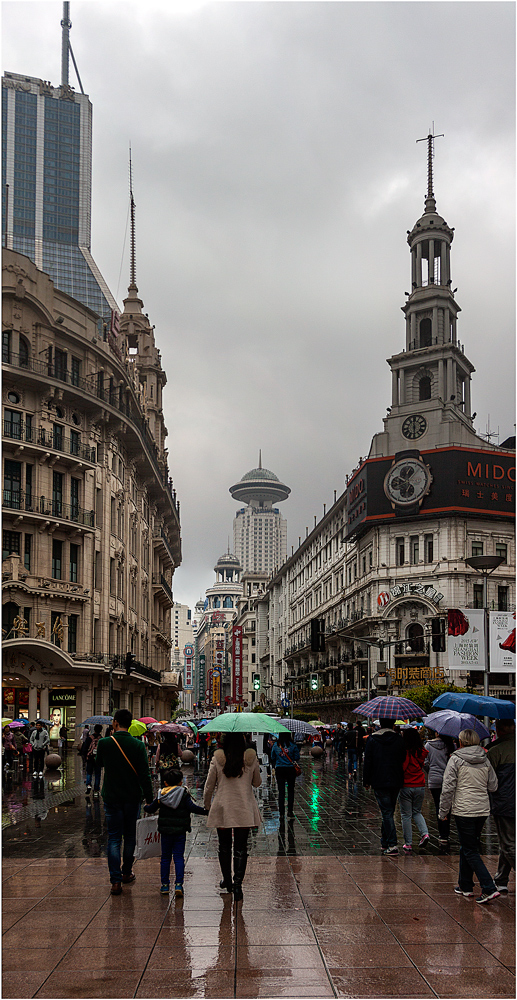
(286, 755)
(124, 754)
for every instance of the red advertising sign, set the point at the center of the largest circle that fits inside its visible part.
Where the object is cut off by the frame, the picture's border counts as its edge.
(237, 662)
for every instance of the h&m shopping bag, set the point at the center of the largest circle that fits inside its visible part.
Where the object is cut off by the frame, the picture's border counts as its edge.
(147, 838)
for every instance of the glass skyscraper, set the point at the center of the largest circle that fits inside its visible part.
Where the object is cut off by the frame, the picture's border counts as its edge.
(46, 185)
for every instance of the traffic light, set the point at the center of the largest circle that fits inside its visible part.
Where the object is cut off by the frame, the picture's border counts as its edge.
(129, 662)
(256, 682)
(438, 635)
(317, 635)
(314, 682)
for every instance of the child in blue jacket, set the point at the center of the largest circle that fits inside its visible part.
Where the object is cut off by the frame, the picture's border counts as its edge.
(175, 806)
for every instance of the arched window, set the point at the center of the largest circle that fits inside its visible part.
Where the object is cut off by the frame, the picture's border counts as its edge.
(24, 353)
(217, 602)
(10, 611)
(424, 388)
(415, 637)
(426, 330)
(227, 603)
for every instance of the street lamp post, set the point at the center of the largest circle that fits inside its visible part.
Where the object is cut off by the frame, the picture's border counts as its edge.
(486, 566)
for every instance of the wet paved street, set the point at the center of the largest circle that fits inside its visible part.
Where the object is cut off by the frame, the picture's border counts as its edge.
(323, 914)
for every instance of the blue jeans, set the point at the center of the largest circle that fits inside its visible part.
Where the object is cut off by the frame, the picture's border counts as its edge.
(387, 800)
(92, 768)
(173, 846)
(410, 801)
(352, 760)
(469, 832)
(121, 823)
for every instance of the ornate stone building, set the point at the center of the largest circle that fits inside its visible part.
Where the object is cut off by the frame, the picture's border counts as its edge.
(91, 526)
(388, 559)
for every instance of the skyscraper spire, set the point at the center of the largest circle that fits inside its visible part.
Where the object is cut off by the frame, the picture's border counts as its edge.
(430, 203)
(66, 24)
(132, 262)
(260, 458)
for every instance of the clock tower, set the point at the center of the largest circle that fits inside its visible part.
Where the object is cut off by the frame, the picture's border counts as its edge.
(431, 378)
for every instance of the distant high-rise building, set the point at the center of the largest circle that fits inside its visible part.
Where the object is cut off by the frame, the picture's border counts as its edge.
(259, 530)
(46, 181)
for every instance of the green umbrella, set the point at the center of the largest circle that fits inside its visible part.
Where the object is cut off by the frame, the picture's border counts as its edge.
(244, 722)
(137, 728)
(192, 726)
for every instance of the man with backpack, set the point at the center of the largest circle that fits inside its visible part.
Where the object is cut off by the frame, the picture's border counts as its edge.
(127, 779)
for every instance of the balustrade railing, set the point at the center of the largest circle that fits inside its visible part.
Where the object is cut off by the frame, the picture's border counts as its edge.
(14, 500)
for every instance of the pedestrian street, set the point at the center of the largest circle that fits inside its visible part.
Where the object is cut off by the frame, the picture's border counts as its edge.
(323, 914)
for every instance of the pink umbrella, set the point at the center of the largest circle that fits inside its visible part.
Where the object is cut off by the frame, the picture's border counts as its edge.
(16, 725)
(147, 719)
(172, 727)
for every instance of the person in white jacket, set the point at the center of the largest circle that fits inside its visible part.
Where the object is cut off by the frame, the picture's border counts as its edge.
(467, 780)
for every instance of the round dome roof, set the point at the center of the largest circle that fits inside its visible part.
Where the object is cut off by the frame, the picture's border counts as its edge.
(228, 560)
(260, 474)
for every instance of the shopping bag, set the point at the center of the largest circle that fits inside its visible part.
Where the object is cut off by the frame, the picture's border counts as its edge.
(148, 841)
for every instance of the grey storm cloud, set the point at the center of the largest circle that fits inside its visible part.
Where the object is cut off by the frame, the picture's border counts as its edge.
(275, 175)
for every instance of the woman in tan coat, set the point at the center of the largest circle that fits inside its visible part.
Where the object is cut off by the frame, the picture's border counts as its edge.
(234, 772)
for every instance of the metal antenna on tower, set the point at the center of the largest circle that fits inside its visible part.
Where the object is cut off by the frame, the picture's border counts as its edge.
(132, 264)
(430, 157)
(66, 47)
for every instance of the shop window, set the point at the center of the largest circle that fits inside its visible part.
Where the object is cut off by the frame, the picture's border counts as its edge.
(502, 598)
(72, 633)
(11, 541)
(74, 558)
(57, 557)
(24, 353)
(27, 552)
(10, 611)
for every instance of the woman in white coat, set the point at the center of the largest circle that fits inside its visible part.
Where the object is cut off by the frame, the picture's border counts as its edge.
(467, 780)
(234, 772)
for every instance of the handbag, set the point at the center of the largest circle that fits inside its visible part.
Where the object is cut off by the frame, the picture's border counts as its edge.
(27, 747)
(297, 768)
(148, 840)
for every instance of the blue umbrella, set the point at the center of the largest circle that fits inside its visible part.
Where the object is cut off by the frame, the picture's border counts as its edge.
(450, 723)
(96, 720)
(476, 704)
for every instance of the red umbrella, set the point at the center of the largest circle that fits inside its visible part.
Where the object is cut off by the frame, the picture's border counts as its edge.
(147, 719)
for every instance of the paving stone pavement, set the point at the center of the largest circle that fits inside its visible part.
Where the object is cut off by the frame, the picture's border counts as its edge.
(323, 914)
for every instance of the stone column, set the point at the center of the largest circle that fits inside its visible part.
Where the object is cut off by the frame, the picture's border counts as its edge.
(443, 263)
(43, 703)
(33, 702)
(467, 408)
(419, 264)
(441, 386)
(434, 326)
(402, 395)
(394, 387)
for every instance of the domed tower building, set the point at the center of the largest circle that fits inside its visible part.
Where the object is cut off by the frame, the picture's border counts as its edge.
(259, 530)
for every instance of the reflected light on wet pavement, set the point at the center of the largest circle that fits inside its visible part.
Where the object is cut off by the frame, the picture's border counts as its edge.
(324, 915)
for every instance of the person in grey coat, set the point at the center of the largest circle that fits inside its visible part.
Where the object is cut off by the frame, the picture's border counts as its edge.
(439, 750)
(501, 754)
(469, 777)
(40, 742)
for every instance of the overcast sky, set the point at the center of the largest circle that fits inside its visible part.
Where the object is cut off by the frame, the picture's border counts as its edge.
(276, 172)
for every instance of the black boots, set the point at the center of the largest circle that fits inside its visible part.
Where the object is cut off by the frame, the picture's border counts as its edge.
(225, 861)
(239, 868)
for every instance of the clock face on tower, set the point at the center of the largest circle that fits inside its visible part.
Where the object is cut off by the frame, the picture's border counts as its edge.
(414, 426)
(407, 482)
